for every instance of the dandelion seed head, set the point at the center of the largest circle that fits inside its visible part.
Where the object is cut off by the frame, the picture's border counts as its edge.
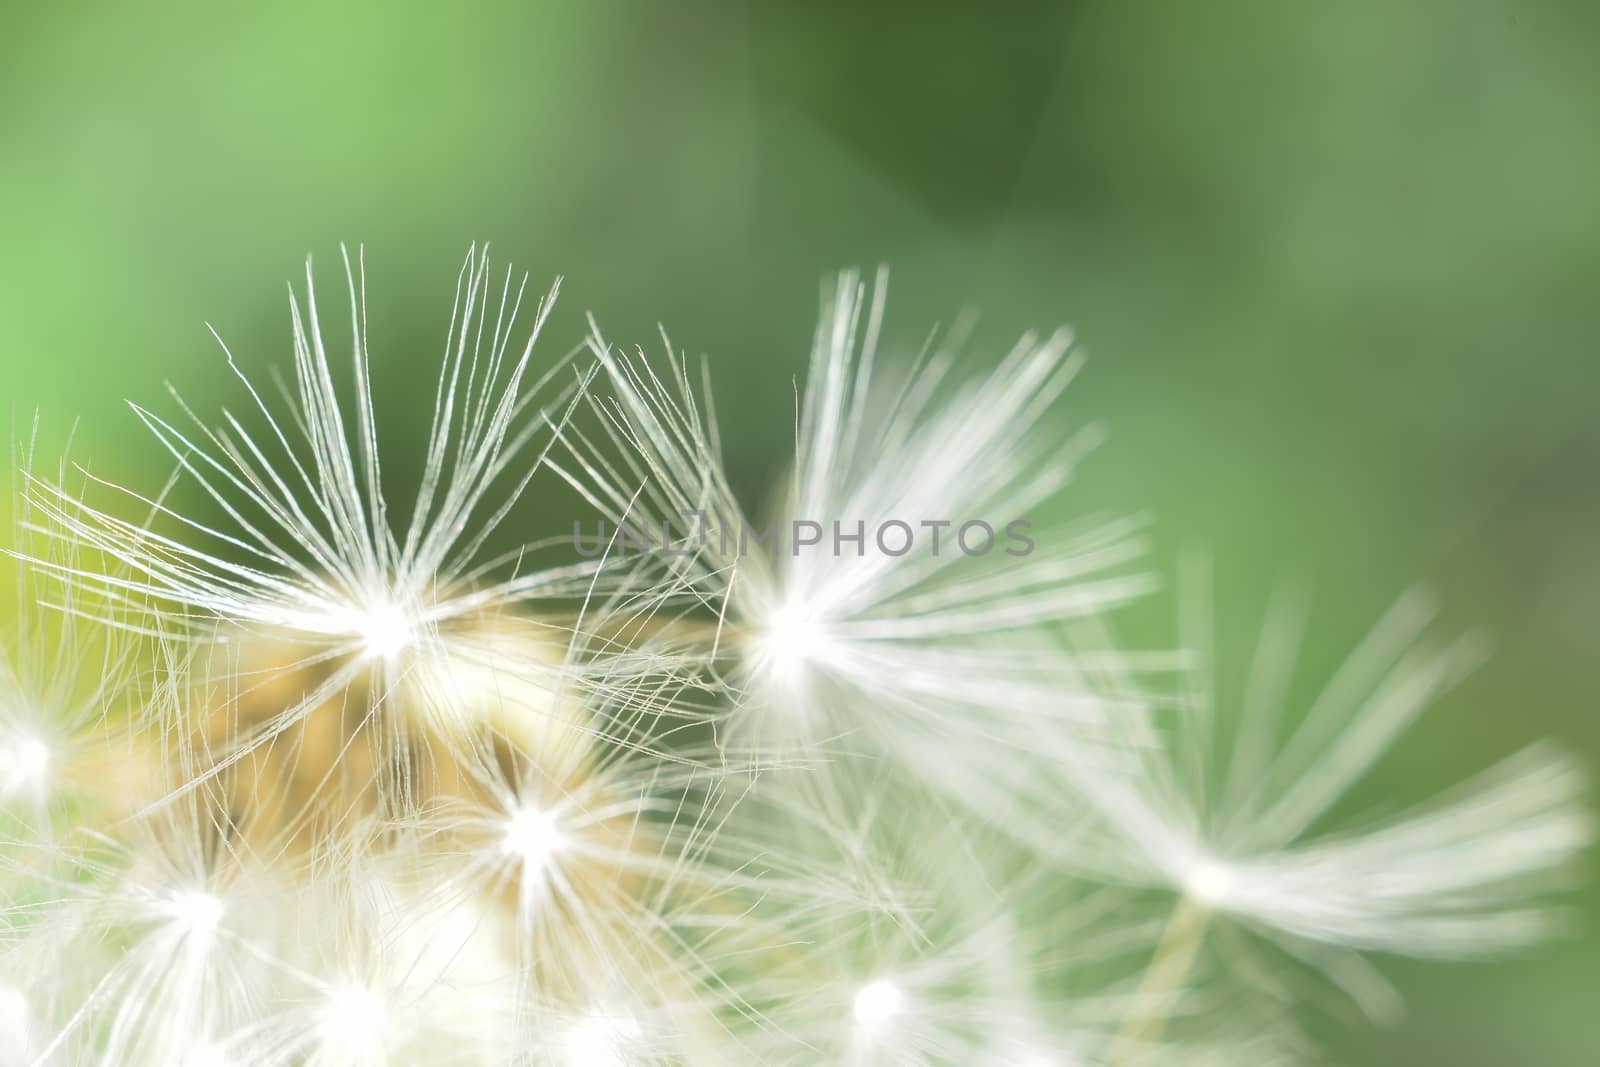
(878, 1003)
(544, 845)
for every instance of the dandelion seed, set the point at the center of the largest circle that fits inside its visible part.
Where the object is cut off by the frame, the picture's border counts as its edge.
(60, 680)
(440, 985)
(308, 507)
(1240, 835)
(915, 635)
(896, 947)
(307, 551)
(599, 855)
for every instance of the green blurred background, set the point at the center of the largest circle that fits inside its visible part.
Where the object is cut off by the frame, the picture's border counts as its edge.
(1338, 266)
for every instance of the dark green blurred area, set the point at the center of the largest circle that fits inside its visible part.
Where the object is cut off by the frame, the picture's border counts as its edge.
(1338, 266)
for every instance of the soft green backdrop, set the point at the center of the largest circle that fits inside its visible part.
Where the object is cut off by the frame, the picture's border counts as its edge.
(1339, 265)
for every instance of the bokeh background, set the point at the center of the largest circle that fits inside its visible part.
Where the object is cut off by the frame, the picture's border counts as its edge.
(1338, 266)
